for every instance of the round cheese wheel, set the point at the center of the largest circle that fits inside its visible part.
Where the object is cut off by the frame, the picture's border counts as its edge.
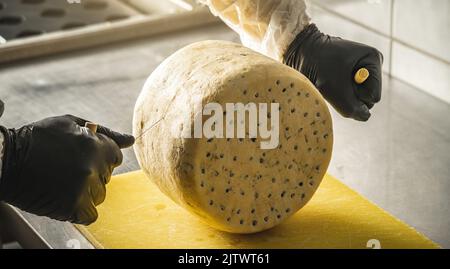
(236, 182)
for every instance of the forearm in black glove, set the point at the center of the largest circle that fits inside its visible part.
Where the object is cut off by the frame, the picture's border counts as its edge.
(58, 168)
(331, 63)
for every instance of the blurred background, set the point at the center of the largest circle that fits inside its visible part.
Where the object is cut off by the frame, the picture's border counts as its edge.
(413, 36)
(91, 57)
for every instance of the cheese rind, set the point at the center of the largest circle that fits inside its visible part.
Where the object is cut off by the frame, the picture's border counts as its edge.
(232, 184)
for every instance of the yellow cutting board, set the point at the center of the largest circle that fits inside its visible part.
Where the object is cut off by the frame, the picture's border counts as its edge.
(137, 215)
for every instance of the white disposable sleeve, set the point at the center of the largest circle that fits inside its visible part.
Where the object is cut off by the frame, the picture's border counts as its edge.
(267, 26)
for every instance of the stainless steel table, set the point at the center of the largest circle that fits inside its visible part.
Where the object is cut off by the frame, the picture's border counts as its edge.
(400, 159)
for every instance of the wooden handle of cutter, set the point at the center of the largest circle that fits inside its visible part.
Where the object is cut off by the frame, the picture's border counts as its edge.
(361, 75)
(91, 126)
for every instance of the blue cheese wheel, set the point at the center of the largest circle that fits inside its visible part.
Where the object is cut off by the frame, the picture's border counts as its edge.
(233, 184)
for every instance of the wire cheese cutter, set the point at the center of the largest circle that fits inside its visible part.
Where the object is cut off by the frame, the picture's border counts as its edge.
(360, 77)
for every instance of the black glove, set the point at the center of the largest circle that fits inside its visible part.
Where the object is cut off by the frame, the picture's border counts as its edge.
(2, 108)
(331, 64)
(59, 169)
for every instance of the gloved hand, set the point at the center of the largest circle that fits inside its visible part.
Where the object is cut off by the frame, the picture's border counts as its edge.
(331, 63)
(59, 169)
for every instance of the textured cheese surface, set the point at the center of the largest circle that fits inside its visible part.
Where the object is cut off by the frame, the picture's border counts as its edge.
(232, 184)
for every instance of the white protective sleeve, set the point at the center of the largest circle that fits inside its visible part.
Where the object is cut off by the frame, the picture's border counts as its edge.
(267, 26)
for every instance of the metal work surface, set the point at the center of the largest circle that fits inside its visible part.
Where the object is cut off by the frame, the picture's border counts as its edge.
(399, 159)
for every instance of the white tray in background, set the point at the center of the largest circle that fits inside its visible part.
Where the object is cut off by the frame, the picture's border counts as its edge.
(157, 17)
